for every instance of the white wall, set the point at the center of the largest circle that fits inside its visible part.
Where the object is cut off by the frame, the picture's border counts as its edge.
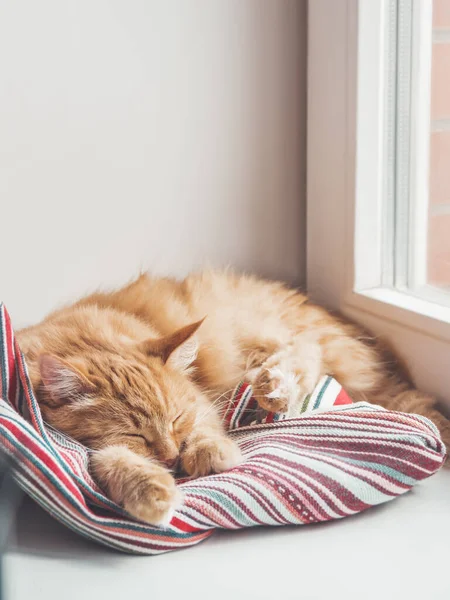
(161, 134)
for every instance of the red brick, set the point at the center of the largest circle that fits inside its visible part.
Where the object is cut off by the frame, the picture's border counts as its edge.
(440, 167)
(440, 81)
(439, 250)
(441, 13)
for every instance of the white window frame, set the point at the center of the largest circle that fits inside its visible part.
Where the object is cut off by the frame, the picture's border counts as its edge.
(345, 271)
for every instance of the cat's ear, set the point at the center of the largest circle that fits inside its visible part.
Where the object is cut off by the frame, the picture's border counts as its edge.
(63, 382)
(179, 349)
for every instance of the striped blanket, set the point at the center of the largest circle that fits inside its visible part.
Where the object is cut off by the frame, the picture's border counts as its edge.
(334, 460)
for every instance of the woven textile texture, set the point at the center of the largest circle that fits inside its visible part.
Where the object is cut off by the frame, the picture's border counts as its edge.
(333, 460)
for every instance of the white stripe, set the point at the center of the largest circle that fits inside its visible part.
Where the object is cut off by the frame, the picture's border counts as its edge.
(317, 391)
(296, 478)
(351, 479)
(90, 530)
(4, 356)
(293, 476)
(262, 442)
(329, 397)
(245, 398)
(95, 523)
(235, 487)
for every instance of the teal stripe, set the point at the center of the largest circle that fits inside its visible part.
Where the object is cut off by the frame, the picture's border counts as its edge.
(243, 402)
(93, 534)
(45, 437)
(24, 426)
(59, 514)
(371, 467)
(42, 467)
(224, 501)
(380, 468)
(321, 393)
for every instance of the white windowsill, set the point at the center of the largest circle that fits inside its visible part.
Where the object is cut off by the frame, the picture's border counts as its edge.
(416, 313)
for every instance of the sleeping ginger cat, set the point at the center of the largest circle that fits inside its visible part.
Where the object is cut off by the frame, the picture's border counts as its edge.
(140, 376)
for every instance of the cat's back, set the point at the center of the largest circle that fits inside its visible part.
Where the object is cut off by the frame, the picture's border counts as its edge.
(221, 295)
(212, 291)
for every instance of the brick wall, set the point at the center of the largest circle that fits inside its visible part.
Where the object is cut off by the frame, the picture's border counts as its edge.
(439, 209)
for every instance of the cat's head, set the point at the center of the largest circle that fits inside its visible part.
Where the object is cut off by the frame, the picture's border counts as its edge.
(139, 396)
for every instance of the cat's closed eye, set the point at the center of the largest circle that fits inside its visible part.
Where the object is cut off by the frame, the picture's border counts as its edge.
(138, 436)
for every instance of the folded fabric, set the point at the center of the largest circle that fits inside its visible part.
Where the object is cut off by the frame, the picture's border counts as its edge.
(334, 460)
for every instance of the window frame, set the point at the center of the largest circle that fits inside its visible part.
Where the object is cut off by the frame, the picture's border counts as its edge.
(344, 268)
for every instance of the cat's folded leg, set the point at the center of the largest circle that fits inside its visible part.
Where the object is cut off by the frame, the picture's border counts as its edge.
(144, 488)
(286, 377)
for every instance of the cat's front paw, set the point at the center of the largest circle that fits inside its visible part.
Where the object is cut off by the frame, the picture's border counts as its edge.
(276, 389)
(154, 499)
(280, 384)
(146, 490)
(205, 455)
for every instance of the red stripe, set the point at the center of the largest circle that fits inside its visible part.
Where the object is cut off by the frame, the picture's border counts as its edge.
(11, 360)
(27, 389)
(88, 518)
(342, 398)
(246, 481)
(236, 399)
(183, 526)
(270, 417)
(261, 445)
(35, 448)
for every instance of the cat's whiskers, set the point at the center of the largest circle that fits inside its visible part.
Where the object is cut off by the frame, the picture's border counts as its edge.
(215, 404)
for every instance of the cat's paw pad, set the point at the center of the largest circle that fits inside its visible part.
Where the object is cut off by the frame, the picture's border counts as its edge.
(210, 455)
(154, 499)
(276, 388)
